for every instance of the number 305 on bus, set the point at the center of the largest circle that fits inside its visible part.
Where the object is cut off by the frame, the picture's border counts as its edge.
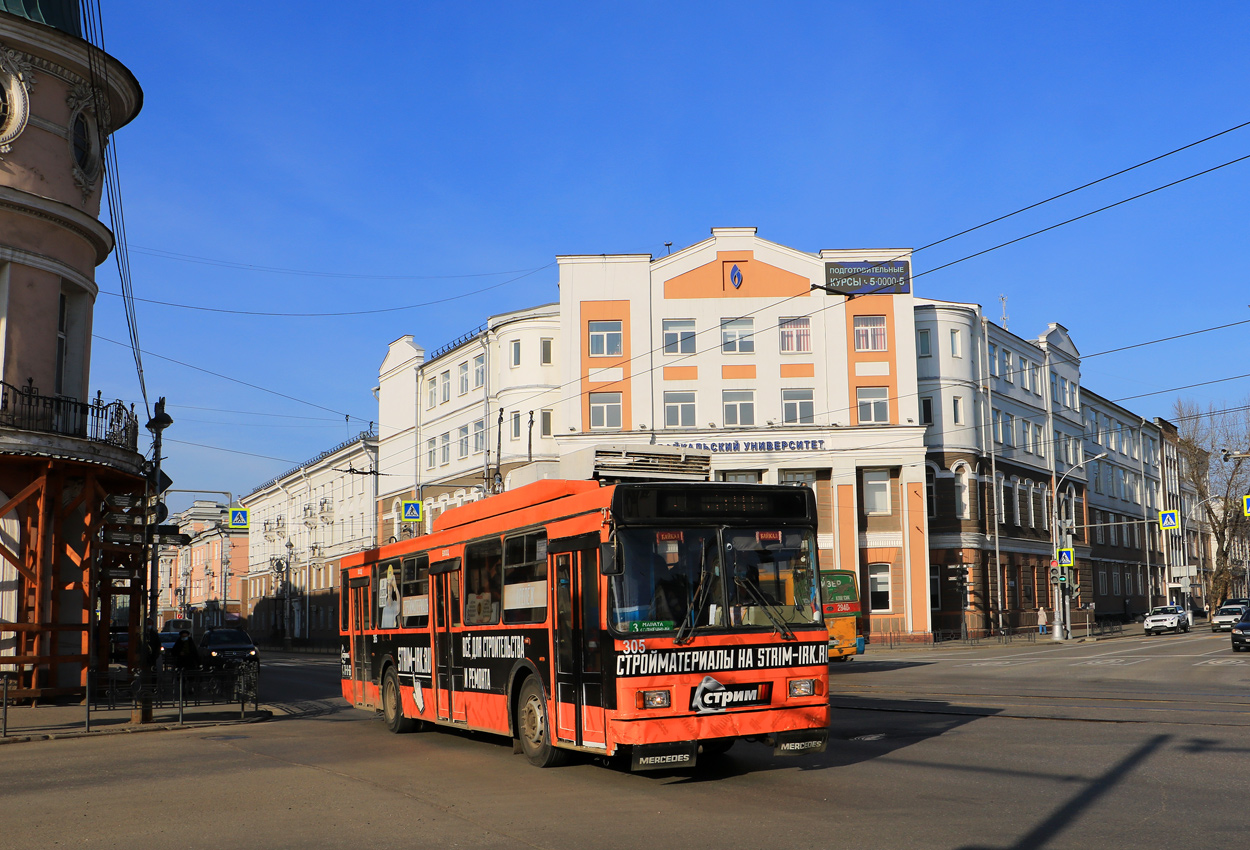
(663, 621)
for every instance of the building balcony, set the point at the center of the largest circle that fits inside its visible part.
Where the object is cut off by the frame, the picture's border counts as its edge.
(25, 409)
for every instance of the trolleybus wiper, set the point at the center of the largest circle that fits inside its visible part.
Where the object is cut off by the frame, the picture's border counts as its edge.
(685, 632)
(769, 612)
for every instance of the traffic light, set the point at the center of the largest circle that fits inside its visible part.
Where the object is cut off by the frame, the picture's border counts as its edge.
(1063, 576)
(1054, 574)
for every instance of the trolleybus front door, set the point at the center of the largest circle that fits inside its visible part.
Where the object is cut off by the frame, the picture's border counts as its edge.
(579, 650)
(358, 602)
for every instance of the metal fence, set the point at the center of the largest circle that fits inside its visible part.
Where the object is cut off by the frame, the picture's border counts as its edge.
(26, 409)
(181, 689)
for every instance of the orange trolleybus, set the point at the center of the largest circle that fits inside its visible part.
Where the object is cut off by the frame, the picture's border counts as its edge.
(660, 621)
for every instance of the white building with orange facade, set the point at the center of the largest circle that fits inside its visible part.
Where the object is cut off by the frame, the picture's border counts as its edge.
(728, 347)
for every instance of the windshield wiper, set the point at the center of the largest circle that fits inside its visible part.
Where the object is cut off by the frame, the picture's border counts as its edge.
(778, 622)
(685, 632)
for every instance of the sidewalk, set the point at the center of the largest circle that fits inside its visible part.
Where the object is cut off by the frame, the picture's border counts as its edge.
(1129, 630)
(51, 722)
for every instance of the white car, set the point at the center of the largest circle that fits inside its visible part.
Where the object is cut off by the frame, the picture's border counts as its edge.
(1225, 617)
(1168, 618)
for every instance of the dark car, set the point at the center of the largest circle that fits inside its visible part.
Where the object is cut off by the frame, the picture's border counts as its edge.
(168, 639)
(1241, 632)
(227, 647)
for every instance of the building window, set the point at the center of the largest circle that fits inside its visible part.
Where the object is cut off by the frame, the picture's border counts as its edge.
(935, 587)
(877, 492)
(546, 351)
(737, 336)
(926, 411)
(796, 335)
(431, 456)
(923, 347)
(605, 410)
(1005, 371)
(961, 492)
(874, 405)
(1026, 436)
(516, 425)
(431, 389)
(679, 410)
(479, 436)
(957, 343)
(739, 406)
(605, 339)
(544, 423)
(479, 371)
(462, 377)
(463, 440)
(1009, 429)
(679, 336)
(444, 446)
(805, 477)
(1023, 369)
(797, 407)
(516, 353)
(741, 477)
(993, 358)
(61, 325)
(444, 382)
(870, 333)
(957, 410)
(930, 490)
(1039, 445)
(879, 587)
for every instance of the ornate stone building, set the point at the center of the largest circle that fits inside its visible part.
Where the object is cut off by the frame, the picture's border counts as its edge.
(64, 456)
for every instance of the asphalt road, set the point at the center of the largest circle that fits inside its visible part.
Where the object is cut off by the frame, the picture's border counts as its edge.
(1011, 747)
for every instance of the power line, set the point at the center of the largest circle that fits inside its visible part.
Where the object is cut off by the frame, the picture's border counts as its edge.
(341, 313)
(237, 381)
(230, 451)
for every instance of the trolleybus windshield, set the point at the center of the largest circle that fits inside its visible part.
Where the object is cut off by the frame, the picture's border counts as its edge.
(727, 579)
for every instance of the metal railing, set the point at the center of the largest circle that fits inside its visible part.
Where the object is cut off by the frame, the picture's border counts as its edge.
(26, 409)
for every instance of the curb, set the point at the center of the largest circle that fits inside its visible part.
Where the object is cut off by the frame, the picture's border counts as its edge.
(260, 717)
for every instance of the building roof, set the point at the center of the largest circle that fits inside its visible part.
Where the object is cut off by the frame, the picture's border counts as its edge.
(59, 14)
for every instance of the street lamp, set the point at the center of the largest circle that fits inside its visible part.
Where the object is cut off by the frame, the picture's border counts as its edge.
(286, 591)
(1063, 611)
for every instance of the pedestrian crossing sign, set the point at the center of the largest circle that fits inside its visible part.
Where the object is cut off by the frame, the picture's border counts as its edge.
(1245, 505)
(1065, 557)
(238, 518)
(412, 510)
(1169, 520)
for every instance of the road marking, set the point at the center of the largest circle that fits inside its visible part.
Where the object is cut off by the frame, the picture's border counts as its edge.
(1120, 662)
(996, 663)
(1222, 662)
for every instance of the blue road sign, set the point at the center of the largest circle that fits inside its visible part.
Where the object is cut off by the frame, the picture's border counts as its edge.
(1064, 557)
(412, 511)
(1169, 520)
(1245, 505)
(238, 518)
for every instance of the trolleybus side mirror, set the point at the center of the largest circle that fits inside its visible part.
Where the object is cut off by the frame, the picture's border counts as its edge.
(608, 565)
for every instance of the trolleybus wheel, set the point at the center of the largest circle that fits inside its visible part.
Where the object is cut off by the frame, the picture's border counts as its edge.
(716, 746)
(532, 726)
(392, 705)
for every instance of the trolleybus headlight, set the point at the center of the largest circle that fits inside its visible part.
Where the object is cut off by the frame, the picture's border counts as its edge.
(804, 687)
(653, 699)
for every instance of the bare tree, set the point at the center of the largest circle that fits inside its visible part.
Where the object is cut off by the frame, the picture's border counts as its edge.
(1210, 441)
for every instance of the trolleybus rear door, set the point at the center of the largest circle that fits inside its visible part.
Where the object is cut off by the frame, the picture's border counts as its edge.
(445, 582)
(358, 600)
(579, 655)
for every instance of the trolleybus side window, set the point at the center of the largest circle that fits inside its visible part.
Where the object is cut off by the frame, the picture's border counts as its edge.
(343, 600)
(416, 588)
(483, 582)
(525, 578)
(386, 594)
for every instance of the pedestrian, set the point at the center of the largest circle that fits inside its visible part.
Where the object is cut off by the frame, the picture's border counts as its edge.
(1041, 620)
(184, 654)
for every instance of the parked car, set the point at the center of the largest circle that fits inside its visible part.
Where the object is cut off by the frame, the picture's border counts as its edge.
(227, 647)
(119, 644)
(1241, 632)
(1225, 617)
(1166, 618)
(168, 639)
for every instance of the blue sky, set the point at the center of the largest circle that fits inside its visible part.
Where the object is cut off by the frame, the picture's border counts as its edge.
(423, 151)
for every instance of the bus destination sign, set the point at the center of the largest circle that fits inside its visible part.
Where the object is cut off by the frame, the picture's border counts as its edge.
(887, 277)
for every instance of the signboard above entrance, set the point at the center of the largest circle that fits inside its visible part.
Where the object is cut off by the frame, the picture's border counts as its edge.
(888, 277)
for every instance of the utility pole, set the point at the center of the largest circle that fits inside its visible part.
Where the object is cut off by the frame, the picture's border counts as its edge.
(157, 424)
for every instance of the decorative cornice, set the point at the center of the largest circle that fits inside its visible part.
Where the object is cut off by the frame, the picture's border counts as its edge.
(62, 215)
(10, 254)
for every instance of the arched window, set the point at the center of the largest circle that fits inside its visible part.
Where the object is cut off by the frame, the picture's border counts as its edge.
(1014, 492)
(1032, 509)
(999, 501)
(930, 490)
(961, 492)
